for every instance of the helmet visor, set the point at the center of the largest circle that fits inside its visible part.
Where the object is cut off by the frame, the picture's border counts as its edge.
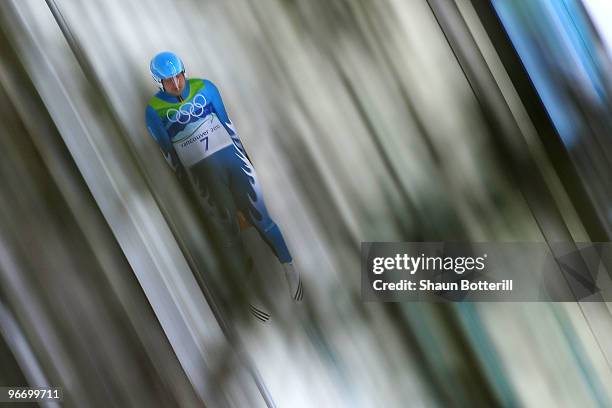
(174, 85)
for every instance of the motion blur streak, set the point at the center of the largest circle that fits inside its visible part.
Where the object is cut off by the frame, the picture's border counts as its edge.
(366, 121)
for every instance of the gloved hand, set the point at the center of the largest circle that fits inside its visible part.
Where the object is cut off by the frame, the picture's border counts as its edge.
(296, 290)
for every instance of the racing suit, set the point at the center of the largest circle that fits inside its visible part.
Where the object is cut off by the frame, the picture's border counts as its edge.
(200, 143)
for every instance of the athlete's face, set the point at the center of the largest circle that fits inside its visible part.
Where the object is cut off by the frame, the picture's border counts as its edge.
(174, 85)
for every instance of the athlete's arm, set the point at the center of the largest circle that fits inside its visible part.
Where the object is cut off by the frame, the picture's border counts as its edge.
(159, 134)
(219, 107)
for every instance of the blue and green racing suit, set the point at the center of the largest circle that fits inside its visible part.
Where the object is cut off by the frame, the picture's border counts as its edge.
(200, 143)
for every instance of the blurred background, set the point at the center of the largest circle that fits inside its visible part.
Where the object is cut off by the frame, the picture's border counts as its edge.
(389, 120)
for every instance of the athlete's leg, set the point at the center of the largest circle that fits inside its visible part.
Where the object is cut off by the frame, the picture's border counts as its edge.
(210, 181)
(249, 199)
(211, 184)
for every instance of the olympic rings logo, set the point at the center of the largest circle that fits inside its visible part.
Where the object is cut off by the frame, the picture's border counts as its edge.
(184, 114)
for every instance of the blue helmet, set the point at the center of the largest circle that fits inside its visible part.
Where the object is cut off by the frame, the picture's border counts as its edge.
(166, 65)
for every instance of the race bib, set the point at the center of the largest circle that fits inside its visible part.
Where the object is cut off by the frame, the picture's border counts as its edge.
(208, 137)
